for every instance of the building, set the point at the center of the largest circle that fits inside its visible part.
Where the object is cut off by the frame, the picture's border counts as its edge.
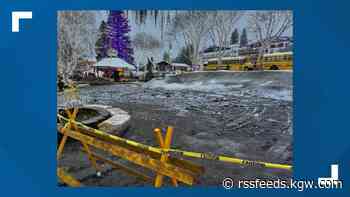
(164, 66)
(85, 64)
(180, 66)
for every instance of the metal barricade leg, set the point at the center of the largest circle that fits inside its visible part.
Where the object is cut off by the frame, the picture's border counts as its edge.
(164, 143)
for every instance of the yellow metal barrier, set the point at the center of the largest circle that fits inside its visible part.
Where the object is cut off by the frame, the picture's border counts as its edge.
(67, 179)
(207, 156)
(164, 143)
(119, 166)
(143, 160)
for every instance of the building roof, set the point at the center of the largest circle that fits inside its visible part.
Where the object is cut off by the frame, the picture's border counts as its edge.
(180, 65)
(279, 53)
(114, 62)
(163, 63)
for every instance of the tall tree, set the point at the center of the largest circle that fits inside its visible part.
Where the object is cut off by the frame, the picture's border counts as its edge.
(268, 26)
(234, 37)
(221, 26)
(76, 38)
(103, 43)
(166, 57)
(185, 55)
(243, 39)
(147, 46)
(193, 28)
(118, 32)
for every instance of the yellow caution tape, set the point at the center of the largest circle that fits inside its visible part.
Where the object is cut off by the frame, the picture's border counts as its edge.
(207, 156)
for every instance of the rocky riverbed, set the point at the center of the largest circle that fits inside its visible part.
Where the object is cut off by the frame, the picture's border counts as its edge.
(240, 114)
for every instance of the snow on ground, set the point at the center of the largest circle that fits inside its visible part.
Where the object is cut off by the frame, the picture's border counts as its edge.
(268, 84)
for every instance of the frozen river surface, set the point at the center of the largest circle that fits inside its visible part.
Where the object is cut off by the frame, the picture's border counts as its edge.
(240, 114)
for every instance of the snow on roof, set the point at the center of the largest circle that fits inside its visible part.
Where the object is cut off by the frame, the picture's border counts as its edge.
(179, 65)
(114, 63)
(228, 58)
(278, 53)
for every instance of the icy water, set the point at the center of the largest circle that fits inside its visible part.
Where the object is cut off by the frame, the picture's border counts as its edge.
(245, 115)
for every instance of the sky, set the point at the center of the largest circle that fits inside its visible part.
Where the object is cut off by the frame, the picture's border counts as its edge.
(151, 28)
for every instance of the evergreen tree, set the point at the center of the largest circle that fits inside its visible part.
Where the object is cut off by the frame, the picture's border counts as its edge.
(185, 55)
(166, 57)
(234, 37)
(118, 32)
(244, 38)
(102, 44)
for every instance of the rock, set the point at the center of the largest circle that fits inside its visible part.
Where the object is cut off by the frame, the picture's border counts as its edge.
(100, 106)
(102, 114)
(116, 124)
(89, 115)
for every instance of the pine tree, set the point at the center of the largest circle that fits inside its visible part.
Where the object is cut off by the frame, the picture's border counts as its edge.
(244, 38)
(234, 37)
(185, 55)
(102, 44)
(166, 57)
(118, 32)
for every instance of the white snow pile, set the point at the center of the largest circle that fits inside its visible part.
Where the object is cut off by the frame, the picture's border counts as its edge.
(275, 85)
(196, 86)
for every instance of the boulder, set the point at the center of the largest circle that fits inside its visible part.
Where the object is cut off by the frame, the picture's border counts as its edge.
(117, 124)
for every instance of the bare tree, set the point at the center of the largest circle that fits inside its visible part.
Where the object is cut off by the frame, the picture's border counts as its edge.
(192, 27)
(268, 26)
(146, 46)
(77, 34)
(222, 24)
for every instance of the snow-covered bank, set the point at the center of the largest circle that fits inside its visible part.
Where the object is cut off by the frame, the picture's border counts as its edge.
(270, 84)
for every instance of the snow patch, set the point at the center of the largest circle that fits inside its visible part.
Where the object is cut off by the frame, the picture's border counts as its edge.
(275, 85)
(197, 86)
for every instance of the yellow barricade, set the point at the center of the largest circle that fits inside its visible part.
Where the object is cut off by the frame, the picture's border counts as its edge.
(207, 156)
(137, 158)
(67, 179)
